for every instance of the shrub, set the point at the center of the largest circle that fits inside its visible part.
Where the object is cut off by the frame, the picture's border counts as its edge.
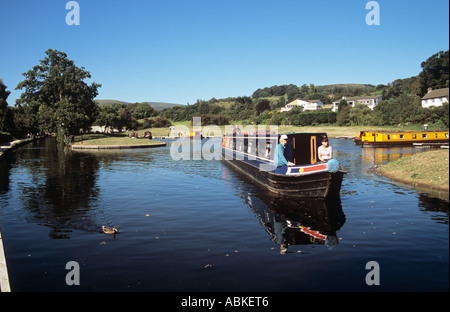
(5, 137)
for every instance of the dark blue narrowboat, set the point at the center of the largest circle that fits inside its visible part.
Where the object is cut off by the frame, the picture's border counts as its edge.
(253, 154)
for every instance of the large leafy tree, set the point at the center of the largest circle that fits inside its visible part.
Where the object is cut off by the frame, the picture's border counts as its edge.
(113, 116)
(435, 73)
(56, 96)
(3, 106)
(3, 95)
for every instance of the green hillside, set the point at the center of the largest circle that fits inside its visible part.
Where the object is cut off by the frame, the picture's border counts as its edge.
(159, 106)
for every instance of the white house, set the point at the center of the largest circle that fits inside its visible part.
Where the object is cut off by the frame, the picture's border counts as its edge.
(306, 104)
(435, 97)
(371, 101)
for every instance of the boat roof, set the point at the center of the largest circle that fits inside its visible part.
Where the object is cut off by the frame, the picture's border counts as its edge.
(291, 134)
(405, 131)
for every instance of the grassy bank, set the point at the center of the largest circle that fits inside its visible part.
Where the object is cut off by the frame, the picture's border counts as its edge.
(429, 169)
(121, 139)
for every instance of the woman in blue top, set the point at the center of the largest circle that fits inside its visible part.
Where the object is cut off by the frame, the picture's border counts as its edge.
(280, 160)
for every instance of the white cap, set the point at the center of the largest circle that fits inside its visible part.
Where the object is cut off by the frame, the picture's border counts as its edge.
(284, 137)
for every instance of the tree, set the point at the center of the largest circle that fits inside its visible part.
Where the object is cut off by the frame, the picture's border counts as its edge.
(57, 96)
(22, 123)
(262, 106)
(242, 108)
(403, 109)
(141, 110)
(384, 112)
(343, 116)
(3, 96)
(342, 104)
(6, 116)
(112, 117)
(360, 115)
(435, 73)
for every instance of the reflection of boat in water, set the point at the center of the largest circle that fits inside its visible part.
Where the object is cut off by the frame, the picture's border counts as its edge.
(254, 156)
(293, 222)
(399, 138)
(383, 155)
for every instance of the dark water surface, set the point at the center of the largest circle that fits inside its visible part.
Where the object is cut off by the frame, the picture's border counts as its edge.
(199, 226)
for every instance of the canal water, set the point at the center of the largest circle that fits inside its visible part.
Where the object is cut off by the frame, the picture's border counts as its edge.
(197, 225)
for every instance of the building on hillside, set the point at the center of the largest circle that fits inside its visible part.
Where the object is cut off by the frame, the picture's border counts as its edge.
(371, 101)
(435, 97)
(307, 105)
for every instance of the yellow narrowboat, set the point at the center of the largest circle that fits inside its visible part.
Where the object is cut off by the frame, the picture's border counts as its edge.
(197, 135)
(399, 138)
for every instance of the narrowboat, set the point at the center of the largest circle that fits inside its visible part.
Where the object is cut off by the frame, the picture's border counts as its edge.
(195, 135)
(253, 155)
(400, 138)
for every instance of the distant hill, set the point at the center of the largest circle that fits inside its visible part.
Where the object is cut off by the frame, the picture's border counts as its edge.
(348, 85)
(159, 106)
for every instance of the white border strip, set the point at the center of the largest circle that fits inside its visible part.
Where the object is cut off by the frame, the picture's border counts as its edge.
(4, 280)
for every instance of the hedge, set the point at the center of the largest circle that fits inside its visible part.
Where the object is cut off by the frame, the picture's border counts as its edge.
(5, 137)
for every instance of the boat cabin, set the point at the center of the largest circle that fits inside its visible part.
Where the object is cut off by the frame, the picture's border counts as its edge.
(301, 148)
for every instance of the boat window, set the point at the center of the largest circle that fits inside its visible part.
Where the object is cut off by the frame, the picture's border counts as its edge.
(414, 136)
(267, 152)
(424, 136)
(446, 135)
(239, 145)
(313, 150)
(436, 135)
(389, 137)
(402, 136)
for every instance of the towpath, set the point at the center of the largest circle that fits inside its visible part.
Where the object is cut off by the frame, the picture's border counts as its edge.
(6, 146)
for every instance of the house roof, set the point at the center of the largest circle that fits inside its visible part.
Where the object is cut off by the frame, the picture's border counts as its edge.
(439, 93)
(369, 97)
(308, 101)
(358, 98)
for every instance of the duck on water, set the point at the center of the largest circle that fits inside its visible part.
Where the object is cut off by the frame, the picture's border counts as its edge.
(290, 168)
(109, 230)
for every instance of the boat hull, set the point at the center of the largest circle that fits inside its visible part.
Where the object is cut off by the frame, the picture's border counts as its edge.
(314, 185)
(404, 143)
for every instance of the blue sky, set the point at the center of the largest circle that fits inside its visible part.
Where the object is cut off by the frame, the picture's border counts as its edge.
(179, 51)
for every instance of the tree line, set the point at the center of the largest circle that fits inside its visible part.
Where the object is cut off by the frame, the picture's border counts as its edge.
(56, 99)
(402, 99)
(133, 116)
(401, 103)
